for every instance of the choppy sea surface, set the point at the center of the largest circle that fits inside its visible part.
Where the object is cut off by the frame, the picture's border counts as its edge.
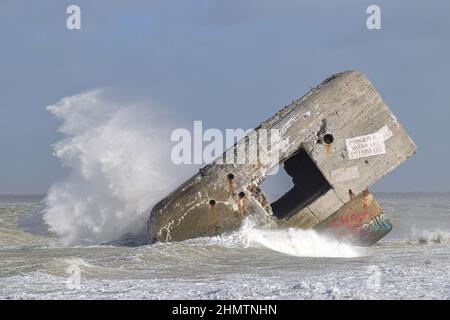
(412, 262)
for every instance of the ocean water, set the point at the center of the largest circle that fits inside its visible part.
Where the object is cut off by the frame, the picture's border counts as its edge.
(412, 262)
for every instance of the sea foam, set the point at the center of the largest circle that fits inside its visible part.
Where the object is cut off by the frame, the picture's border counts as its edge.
(119, 165)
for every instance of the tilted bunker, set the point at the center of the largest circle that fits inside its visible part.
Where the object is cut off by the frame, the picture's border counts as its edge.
(335, 142)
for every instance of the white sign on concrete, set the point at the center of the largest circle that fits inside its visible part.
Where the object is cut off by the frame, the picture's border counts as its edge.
(366, 146)
(345, 174)
(387, 133)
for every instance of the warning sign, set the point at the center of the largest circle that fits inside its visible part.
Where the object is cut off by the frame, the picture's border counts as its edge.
(366, 146)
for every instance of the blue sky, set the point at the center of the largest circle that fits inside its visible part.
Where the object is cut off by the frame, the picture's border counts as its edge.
(229, 63)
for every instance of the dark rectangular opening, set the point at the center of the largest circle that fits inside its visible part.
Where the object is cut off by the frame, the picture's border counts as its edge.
(309, 184)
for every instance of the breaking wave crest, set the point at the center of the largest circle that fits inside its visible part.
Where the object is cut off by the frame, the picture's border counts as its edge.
(119, 165)
(295, 242)
(429, 237)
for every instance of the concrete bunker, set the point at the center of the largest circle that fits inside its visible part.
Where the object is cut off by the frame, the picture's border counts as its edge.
(339, 136)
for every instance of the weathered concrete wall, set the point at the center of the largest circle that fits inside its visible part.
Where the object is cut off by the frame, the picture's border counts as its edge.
(367, 143)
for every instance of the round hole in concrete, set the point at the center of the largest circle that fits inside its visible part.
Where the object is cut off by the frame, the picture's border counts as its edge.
(328, 138)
